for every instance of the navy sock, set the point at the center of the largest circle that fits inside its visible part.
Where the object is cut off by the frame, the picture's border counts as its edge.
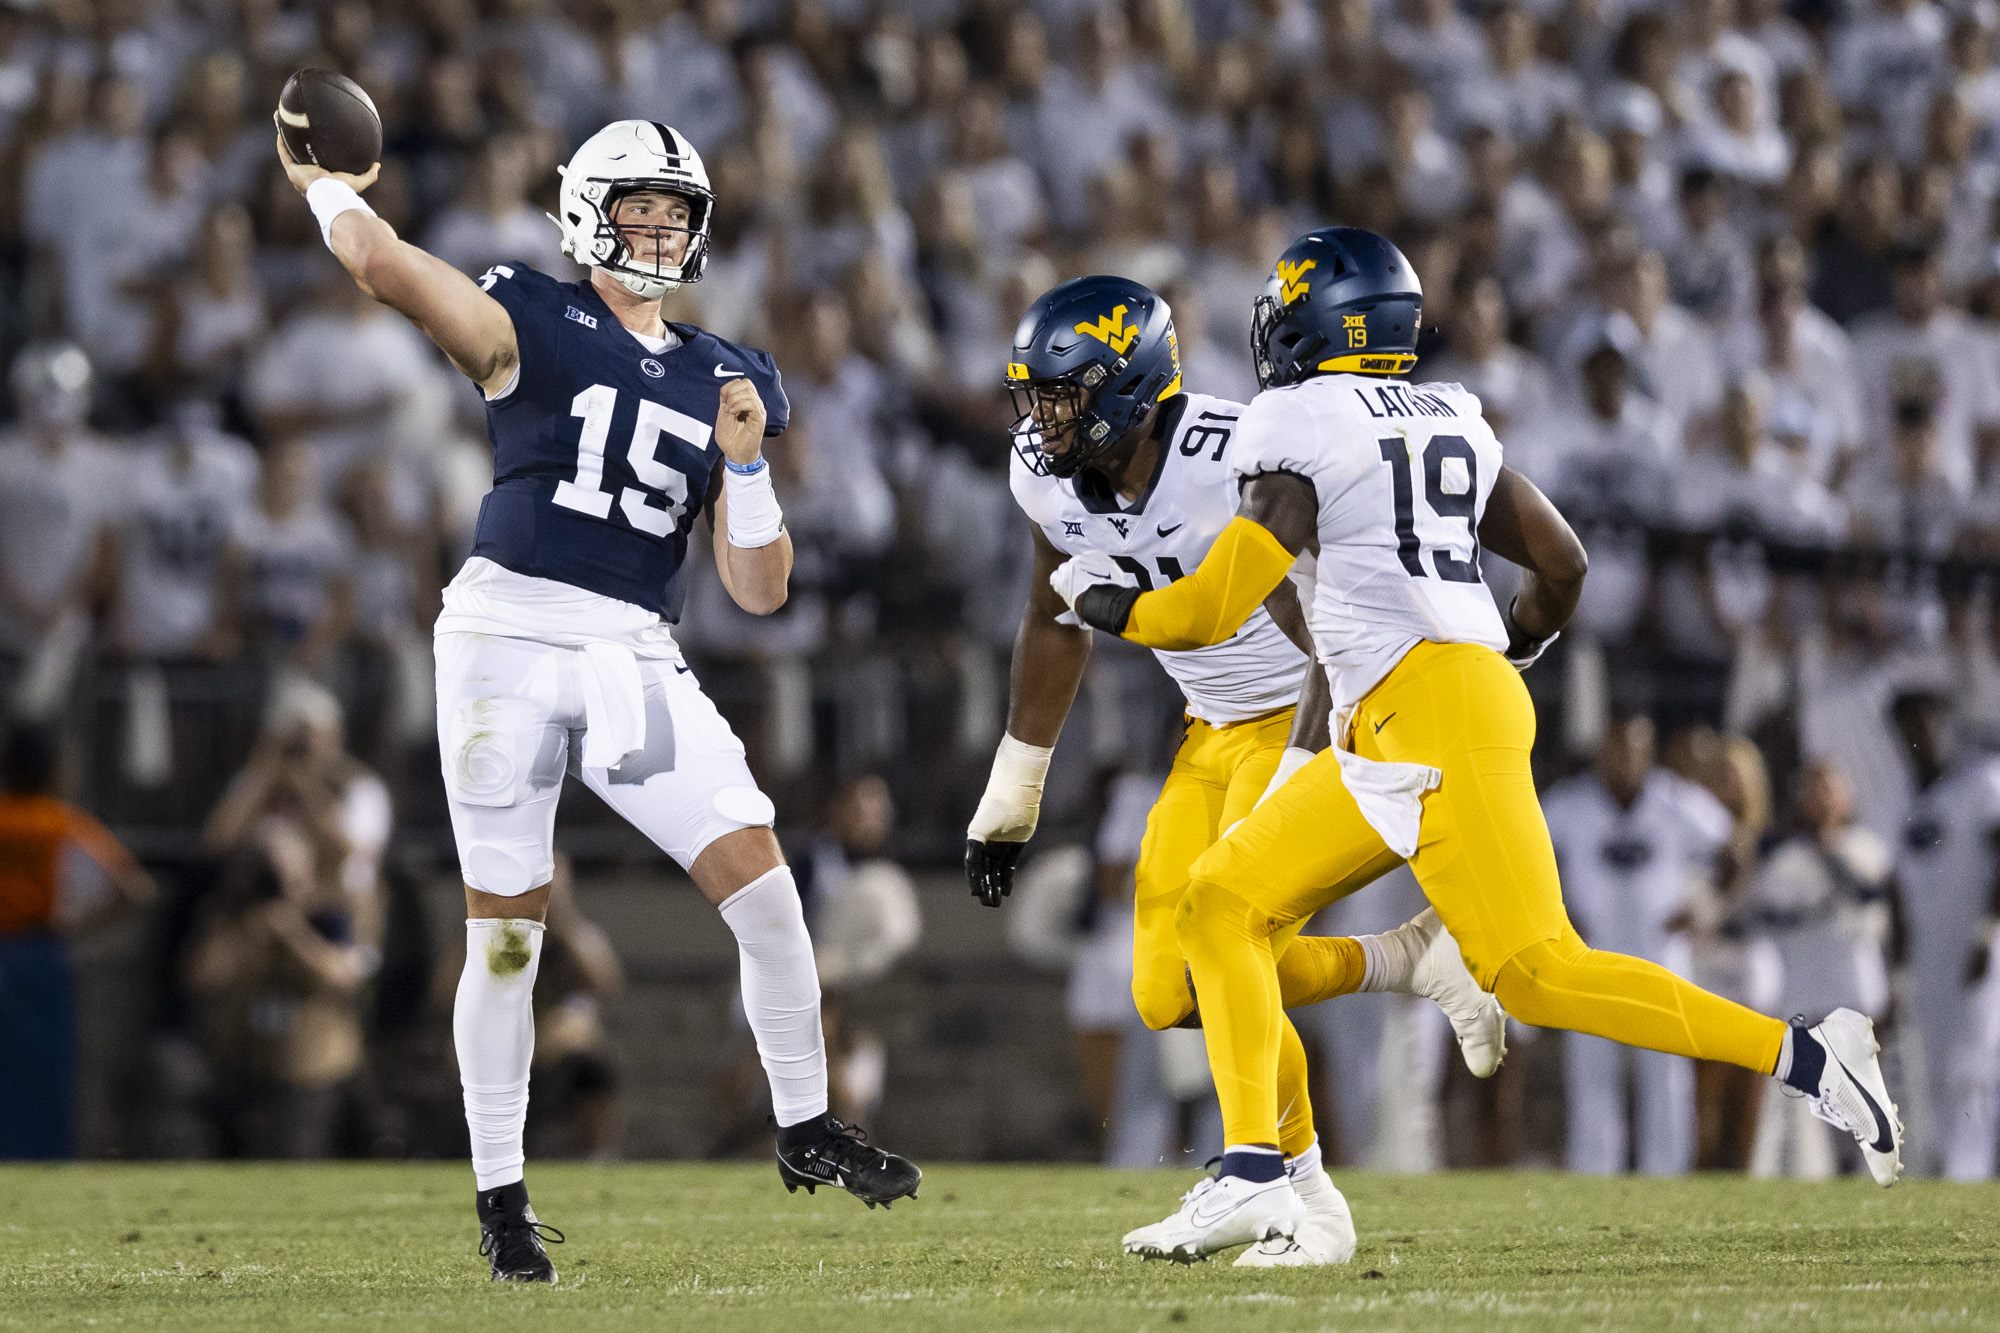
(1808, 1060)
(1259, 1167)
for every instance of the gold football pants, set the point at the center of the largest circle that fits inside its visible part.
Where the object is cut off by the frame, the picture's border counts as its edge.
(1217, 777)
(1485, 862)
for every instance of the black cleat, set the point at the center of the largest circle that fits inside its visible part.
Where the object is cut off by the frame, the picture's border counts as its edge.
(826, 1152)
(510, 1236)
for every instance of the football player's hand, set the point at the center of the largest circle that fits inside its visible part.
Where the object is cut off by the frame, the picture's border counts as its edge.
(989, 868)
(1089, 570)
(1008, 811)
(1522, 648)
(739, 422)
(303, 174)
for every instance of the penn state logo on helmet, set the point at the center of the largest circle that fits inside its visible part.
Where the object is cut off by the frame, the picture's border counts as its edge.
(1339, 301)
(1090, 359)
(625, 158)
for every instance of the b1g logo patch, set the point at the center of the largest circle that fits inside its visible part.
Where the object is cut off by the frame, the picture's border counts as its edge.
(653, 369)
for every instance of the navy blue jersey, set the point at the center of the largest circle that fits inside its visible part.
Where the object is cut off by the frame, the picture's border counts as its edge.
(602, 452)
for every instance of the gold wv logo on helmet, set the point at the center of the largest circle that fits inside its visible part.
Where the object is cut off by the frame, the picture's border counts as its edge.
(1111, 331)
(1293, 278)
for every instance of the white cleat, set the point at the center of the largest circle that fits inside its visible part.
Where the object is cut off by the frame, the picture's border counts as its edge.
(1852, 1094)
(1218, 1213)
(1326, 1236)
(1440, 976)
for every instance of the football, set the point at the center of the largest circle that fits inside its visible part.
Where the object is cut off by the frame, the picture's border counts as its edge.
(328, 120)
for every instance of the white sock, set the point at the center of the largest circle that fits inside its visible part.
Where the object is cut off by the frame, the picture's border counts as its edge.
(781, 992)
(493, 1030)
(1306, 1162)
(1392, 959)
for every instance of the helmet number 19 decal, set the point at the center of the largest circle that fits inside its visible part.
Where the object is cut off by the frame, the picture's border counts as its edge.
(1451, 490)
(587, 495)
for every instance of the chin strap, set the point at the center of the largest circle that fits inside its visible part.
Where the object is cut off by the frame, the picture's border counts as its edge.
(646, 289)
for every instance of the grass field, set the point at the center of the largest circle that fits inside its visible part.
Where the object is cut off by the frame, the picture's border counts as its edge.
(724, 1247)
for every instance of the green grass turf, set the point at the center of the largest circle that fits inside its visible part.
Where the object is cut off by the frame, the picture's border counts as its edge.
(724, 1247)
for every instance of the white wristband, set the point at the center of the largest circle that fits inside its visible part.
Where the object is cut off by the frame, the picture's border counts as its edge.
(328, 199)
(754, 517)
(1012, 805)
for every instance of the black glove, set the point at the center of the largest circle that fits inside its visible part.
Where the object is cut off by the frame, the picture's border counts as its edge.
(1522, 648)
(989, 868)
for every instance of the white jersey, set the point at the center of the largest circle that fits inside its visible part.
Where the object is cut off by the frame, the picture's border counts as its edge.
(1816, 903)
(1627, 872)
(1163, 536)
(1403, 472)
(52, 508)
(1946, 869)
(293, 562)
(177, 522)
(1947, 863)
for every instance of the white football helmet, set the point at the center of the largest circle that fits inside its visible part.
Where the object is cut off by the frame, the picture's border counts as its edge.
(623, 158)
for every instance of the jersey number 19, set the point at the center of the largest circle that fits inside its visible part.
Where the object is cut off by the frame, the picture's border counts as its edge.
(1451, 490)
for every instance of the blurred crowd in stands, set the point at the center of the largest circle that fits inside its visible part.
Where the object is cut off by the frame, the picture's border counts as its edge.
(1723, 273)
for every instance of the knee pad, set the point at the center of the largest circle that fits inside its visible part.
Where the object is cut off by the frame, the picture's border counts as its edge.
(1163, 1004)
(1207, 907)
(507, 870)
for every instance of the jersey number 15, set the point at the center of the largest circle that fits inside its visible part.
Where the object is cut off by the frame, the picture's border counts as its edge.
(1451, 488)
(587, 495)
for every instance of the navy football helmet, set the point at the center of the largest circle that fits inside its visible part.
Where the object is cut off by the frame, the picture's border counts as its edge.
(1090, 358)
(1341, 300)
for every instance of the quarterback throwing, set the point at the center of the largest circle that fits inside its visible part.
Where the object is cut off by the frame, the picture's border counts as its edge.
(612, 431)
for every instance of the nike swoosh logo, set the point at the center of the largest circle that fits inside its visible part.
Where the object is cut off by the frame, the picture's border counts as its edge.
(1885, 1141)
(723, 373)
(1383, 723)
(1168, 532)
(1199, 1220)
(683, 669)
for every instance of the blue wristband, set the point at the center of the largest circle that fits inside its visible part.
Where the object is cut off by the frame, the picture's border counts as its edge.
(744, 469)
